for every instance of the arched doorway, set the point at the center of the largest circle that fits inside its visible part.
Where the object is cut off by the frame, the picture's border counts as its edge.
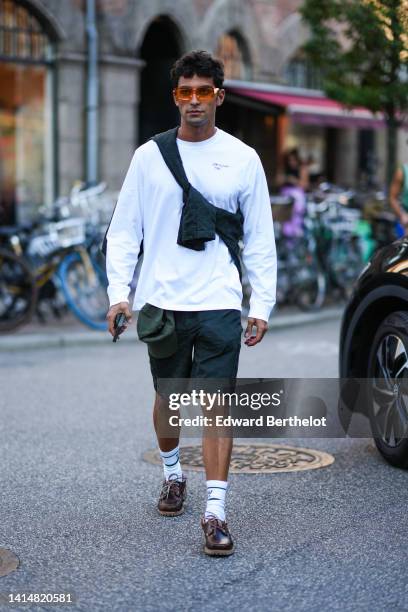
(26, 158)
(234, 53)
(161, 47)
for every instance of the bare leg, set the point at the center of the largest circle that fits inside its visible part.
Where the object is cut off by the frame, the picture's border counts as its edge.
(217, 457)
(161, 414)
(216, 449)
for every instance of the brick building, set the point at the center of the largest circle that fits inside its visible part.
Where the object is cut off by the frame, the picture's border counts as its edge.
(271, 101)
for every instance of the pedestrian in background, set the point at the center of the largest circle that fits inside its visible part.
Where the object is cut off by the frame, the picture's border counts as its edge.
(399, 197)
(199, 291)
(295, 181)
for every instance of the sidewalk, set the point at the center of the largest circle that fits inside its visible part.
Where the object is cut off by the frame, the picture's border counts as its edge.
(69, 332)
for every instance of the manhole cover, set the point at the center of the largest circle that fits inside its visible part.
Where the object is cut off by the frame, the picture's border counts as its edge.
(8, 562)
(255, 458)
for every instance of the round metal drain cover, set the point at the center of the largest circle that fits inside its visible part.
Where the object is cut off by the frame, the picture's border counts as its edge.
(8, 562)
(255, 458)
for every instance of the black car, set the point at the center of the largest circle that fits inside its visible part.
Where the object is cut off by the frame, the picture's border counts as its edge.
(374, 350)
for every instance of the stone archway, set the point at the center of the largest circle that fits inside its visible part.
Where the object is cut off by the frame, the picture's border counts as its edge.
(48, 21)
(291, 36)
(234, 17)
(161, 46)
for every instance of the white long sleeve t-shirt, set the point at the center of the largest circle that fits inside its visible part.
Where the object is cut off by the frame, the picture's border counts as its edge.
(229, 174)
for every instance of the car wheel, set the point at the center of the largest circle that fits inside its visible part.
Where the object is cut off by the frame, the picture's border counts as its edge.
(388, 388)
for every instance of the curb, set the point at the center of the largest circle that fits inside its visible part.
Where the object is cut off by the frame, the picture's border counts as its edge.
(305, 318)
(88, 338)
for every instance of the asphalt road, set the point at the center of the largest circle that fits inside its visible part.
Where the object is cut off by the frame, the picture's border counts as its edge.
(78, 503)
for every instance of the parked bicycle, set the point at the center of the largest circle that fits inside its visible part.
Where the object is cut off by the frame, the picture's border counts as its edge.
(338, 245)
(53, 261)
(299, 279)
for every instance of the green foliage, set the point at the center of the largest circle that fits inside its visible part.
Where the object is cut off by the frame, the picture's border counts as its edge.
(361, 48)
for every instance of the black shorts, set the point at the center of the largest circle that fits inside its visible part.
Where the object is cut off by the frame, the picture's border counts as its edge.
(209, 342)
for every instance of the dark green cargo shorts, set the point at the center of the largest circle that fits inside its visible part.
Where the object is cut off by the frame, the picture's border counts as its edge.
(208, 346)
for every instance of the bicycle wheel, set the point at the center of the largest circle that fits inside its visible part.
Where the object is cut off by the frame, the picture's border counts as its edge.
(309, 288)
(84, 291)
(98, 262)
(307, 279)
(18, 291)
(345, 262)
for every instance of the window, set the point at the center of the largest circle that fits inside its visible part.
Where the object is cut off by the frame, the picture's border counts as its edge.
(300, 72)
(21, 35)
(26, 158)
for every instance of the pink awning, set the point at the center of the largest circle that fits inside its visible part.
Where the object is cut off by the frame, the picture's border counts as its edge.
(315, 110)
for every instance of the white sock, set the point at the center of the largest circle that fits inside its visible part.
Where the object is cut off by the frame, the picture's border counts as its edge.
(216, 490)
(171, 463)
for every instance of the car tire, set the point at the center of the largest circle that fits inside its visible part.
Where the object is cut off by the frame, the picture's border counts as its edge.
(387, 374)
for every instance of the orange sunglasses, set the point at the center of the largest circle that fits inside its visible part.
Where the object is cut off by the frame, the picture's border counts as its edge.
(204, 93)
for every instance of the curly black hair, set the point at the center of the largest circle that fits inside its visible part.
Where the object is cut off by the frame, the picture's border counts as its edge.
(202, 64)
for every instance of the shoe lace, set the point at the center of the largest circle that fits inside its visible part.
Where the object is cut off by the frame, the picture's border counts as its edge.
(171, 483)
(213, 523)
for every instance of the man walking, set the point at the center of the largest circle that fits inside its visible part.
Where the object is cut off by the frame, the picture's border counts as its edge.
(197, 288)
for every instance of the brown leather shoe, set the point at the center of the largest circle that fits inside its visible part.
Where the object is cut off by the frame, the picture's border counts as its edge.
(172, 496)
(218, 540)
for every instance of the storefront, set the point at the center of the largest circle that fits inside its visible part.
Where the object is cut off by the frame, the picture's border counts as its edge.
(338, 144)
(27, 163)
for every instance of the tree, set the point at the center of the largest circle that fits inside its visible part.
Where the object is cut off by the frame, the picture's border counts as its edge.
(361, 48)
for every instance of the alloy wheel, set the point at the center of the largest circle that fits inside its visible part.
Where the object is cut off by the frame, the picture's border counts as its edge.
(390, 390)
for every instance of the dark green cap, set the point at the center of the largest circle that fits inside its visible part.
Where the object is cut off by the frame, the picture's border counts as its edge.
(156, 327)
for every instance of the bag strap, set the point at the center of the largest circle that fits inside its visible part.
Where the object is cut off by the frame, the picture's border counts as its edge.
(166, 141)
